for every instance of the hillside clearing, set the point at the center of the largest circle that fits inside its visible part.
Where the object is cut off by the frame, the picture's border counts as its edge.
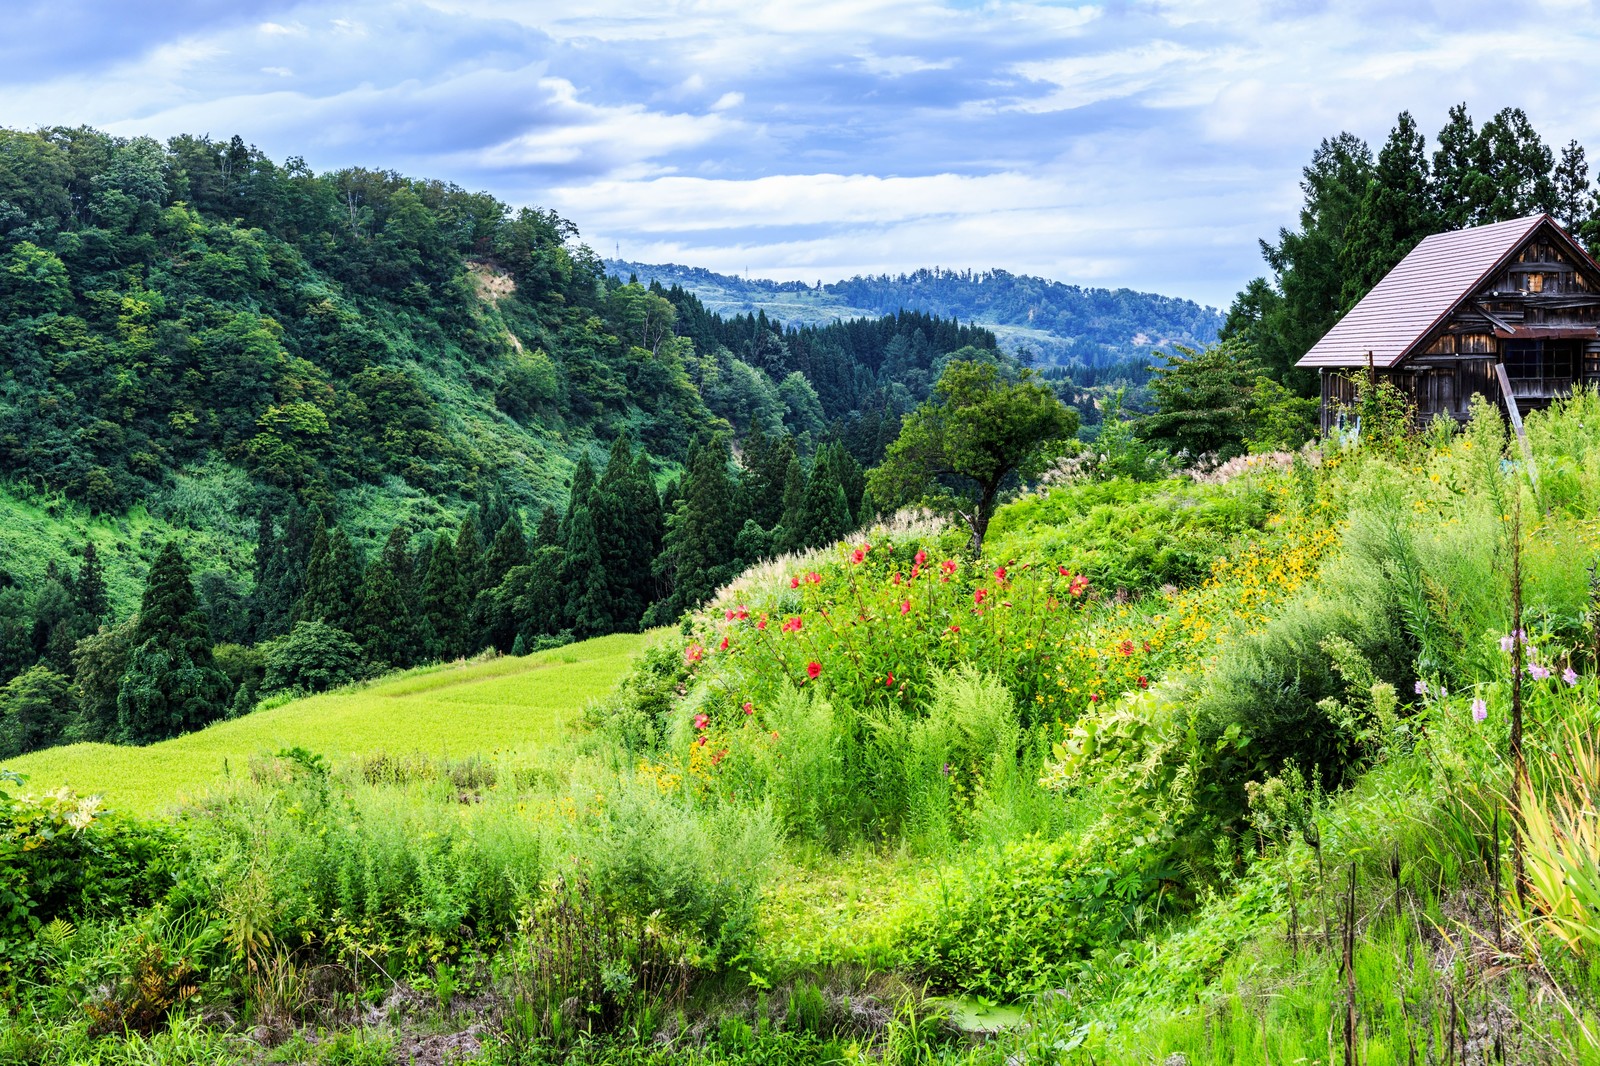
(505, 704)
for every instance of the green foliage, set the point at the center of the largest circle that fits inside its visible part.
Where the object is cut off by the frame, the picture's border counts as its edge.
(311, 657)
(979, 433)
(36, 707)
(171, 684)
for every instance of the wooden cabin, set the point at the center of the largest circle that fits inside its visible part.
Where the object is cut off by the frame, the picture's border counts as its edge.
(1509, 311)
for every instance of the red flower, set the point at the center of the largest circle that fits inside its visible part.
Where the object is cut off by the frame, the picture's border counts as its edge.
(1000, 573)
(727, 616)
(889, 681)
(858, 555)
(762, 623)
(916, 572)
(792, 625)
(897, 577)
(1063, 571)
(948, 566)
(954, 629)
(1126, 647)
(1144, 682)
(1147, 646)
(794, 582)
(920, 558)
(1094, 697)
(719, 756)
(979, 596)
(749, 708)
(702, 721)
(813, 669)
(724, 645)
(905, 608)
(701, 742)
(813, 578)
(693, 654)
(1079, 584)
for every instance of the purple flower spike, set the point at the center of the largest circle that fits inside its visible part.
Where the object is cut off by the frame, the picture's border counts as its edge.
(1480, 710)
(1570, 676)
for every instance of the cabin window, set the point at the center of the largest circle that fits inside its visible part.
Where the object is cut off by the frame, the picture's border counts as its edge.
(1539, 365)
(1475, 344)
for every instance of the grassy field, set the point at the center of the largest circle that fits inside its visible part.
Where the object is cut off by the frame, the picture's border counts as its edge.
(507, 704)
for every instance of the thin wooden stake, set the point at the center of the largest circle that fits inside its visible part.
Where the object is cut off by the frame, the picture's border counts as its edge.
(1519, 764)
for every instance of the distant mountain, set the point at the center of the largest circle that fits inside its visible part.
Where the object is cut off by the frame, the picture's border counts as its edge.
(1058, 322)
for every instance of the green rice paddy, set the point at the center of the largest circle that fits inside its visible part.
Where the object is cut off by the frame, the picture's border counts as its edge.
(458, 709)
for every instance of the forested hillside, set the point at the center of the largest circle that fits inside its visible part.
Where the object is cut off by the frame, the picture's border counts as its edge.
(1054, 322)
(366, 420)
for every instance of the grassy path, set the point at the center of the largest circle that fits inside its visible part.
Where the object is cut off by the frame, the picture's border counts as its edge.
(507, 704)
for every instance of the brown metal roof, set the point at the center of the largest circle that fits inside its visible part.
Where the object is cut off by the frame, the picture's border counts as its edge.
(1438, 275)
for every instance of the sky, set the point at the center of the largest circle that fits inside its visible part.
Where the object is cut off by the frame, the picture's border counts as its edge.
(1146, 145)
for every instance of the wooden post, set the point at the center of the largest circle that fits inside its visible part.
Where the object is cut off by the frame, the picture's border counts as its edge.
(1510, 399)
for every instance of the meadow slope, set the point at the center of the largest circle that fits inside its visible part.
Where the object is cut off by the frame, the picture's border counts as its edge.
(457, 709)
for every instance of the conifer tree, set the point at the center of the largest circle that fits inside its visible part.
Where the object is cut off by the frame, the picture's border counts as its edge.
(791, 527)
(333, 582)
(90, 589)
(548, 532)
(700, 538)
(627, 519)
(766, 461)
(171, 685)
(825, 514)
(441, 602)
(578, 493)
(383, 621)
(510, 548)
(584, 577)
(469, 561)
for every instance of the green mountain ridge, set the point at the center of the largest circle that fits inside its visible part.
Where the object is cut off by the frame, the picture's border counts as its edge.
(1054, 321)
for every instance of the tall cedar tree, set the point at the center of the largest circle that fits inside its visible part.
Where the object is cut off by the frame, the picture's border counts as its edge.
(93, 598)
(333, 583)
(765, 460)
(698, 553)
(578, 492)
(627, 514)
(385, 628)
(171, 685)
(548, 532)
(589, 606)
(443, 630)
(791, 526)
(825, 514)
(1574, 192)
(1396, 212)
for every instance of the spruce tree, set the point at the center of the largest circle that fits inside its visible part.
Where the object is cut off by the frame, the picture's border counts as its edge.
(584, 577)
(548, 532)
(171, 685)
(441, 608)
(825, 513)
(385, 627)
(701, 535)
(791, 527)
(94, 600)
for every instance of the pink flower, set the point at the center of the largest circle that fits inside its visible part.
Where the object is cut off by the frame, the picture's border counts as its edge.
(1509, 641)
(920, 558)
(724, 645)
(794, 582)
(1538, 673)
(701, 742)
(1000, 573)
(1079, 584)
(905, 608)
(1480, 710)
(896, 578)
(1570, 676)
(762, 622)
(727, 616)
(702, 721)
(948, 566)
(792, 625)
(693, 654)
(978, 597)
(749, 708)
(1094, 697)
(858, 556)
(813, 578)
(813, 669)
